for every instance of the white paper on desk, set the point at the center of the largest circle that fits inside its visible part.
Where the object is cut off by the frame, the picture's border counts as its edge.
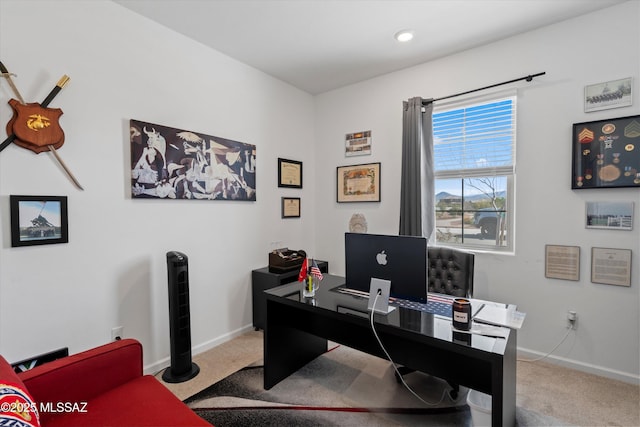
(500, 316)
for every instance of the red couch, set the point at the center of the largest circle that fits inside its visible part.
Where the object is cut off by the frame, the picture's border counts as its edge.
(103, 386)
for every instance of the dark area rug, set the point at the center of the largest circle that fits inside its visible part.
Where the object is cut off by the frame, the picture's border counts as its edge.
(343, 387)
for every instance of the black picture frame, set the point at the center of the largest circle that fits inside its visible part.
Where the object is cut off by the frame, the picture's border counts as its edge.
(38, 220)
(358, 183)
(289, 173)
(606, 153)
(291, 207)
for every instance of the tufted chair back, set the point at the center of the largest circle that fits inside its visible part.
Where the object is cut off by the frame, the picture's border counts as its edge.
(450, 271)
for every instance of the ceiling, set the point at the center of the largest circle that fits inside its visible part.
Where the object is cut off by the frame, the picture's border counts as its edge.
(320, 45)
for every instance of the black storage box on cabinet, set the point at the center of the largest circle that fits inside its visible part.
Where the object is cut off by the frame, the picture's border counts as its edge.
(284, 260)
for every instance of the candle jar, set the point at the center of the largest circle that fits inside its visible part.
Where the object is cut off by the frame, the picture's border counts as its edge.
(461, 313)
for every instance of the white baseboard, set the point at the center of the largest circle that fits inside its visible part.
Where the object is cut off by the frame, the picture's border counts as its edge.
(164, 363)
(602, 371)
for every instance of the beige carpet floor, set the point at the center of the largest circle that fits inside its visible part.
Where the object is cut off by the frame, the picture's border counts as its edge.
(572, 396)
(576, 397)
(219, 363)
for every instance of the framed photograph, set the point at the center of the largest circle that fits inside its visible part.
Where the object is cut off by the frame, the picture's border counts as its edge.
(611, 266)
(613, 94)
(289, 173)
(291, 207)
(38, 220)
(606, 153)
(357, 144)
(609, 215)
(358, 183)
(562, 262)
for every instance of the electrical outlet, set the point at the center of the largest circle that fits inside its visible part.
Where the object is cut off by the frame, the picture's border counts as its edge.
(116, 333)
(572, 318)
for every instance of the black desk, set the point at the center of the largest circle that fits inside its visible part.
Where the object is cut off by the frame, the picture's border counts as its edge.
(263, 279)
(297, 330)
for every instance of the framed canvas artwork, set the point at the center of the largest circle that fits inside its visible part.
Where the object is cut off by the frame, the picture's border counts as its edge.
(169, 163)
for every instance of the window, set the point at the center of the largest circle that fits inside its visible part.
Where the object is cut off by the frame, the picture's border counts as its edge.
(474, 151)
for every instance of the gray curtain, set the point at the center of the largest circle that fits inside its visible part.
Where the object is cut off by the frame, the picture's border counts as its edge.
(417, 199)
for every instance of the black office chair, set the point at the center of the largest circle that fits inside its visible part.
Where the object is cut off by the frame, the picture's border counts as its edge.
(450, 272)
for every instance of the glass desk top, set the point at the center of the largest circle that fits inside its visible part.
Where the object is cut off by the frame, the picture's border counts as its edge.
(411, 319)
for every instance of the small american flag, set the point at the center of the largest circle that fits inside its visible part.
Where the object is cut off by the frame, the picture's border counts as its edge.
(315, 270)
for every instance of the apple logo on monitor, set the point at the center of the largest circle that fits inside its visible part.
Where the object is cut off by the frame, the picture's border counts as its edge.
(381, 258)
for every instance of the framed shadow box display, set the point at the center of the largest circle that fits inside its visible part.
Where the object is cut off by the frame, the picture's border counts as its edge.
(606, 153)
(38, 220)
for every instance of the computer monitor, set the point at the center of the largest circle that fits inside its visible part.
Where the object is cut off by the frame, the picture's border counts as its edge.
(400, 259)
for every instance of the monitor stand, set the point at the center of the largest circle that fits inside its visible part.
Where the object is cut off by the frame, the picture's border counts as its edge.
(382, 303)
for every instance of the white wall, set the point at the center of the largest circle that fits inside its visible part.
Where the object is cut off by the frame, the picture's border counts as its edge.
(594, 48)
(113, 270)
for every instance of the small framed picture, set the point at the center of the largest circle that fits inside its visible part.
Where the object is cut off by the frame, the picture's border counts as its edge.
(289, 173)
(612, 94)
(38, 220)
(357, 144)
(609, 215)
(291, 207)
(358, 183)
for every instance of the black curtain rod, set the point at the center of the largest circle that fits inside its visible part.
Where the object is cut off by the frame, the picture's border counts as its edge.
(527, 78)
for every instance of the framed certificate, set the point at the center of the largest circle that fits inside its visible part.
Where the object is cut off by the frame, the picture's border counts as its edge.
(358, 183)
(562, 262)
(611, 266)
(289, 173)
(291, 207)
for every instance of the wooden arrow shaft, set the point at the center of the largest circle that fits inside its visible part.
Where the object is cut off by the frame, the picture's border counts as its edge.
(64, 166)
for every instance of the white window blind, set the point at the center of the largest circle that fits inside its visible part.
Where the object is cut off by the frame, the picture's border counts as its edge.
(475, 140)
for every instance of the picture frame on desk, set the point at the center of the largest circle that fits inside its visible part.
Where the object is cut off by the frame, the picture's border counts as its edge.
(38, 220)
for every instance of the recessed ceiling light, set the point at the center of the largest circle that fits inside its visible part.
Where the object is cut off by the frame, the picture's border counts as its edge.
(404, 35)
